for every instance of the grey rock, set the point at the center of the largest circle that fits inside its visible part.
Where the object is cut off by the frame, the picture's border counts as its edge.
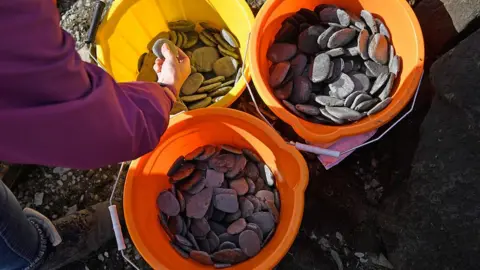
(359, 99)
(380, 106)
(321, 68)
(344, 113)
(329, 101)
(341, 38)
(307, 40)
(383, 29)
(379, 82)
(38, 199)
(375, 68)
(351, 98)
(343, 86)
(336, 52)
(387, 88)
(332, 118)
(366, 105)
(323, 39)
(394, 65)
(369, 20)
(378, 49)
(360, 80)
(456, 78)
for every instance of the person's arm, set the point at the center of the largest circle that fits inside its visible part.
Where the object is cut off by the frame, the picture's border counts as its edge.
(57, 110)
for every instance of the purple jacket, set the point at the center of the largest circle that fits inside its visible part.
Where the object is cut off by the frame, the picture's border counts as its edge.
(56, 110)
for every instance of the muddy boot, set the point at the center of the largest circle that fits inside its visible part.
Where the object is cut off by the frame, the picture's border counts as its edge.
(82, 233)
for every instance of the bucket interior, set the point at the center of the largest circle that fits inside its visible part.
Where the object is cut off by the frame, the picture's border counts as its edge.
(131, 24)
(147, 178)
(406, 38)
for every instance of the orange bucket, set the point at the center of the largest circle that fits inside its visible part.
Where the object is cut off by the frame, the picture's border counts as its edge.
(147, 177)
(407, 40)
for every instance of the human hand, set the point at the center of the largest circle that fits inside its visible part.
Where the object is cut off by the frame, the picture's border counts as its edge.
(172, 71)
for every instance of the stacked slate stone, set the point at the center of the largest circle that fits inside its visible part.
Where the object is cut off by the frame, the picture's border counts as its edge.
(330, 66)
(223, 206)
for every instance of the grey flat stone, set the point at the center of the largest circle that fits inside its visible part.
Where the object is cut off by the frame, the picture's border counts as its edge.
(378, 49)
(369, 20)
(362, 43)
(341, 38)
(343, 86)
(380, 106)
(351, 98)
(322, 40)
(329, 101)
(387, 88)
(344, 113)
(320, 68)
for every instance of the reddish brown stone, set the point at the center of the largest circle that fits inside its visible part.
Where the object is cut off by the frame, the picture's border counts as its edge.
(232, 256)
(195, 153)
(249, 243)
(185, 171)
(240, 186)
(198, 204)
(237, 226)
(168, 203)
(201, 257)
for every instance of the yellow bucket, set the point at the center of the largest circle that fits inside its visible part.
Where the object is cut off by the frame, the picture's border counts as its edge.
(130, 24)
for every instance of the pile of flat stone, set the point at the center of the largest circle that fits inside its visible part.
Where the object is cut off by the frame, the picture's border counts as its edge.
(330, 66)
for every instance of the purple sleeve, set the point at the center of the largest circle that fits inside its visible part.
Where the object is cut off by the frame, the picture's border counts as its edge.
(59, 111)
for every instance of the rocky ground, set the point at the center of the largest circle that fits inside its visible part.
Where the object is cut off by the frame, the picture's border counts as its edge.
(409, 201)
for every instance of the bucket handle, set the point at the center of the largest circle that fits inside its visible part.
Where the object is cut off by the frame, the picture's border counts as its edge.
(319, 150)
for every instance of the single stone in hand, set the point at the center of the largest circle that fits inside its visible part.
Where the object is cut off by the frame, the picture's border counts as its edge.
(366, 105)
(198, 204)
(157, 48)
(227, 203)
(168, 203)
(249, 243)
(321, 68)
(280, 52)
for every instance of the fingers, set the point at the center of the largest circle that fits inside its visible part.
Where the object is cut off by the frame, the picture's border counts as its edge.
(167, 53)
(157, 67)
(181, 55)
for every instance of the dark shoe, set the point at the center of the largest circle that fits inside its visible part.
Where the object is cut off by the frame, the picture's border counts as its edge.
(82, 233)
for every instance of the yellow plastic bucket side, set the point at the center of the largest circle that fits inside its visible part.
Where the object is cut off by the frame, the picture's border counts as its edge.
(130, 24)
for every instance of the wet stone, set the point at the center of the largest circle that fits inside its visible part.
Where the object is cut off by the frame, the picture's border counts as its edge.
(224, 191)
(307, 40)
(217, 227)
(249, 243)
(308, 109)
(380, 106)
(255, 228)
(227, 203)
(227, 245)
(195, 153)
(181, 200)
(194, 184)
(329, 14)
(251, 186)
(246, 207)
(279, 73)
(303, 27)
(298, 64)
(185, 171)
(229, 218)
(157, 47)
(210, 150)
(343, 86)
(226, 237)
(175, 224)
(182, 241)
(287, 33)
(213, 240)
(240, 186)
(348, 66)
(360, 80)
(383, 29)
(269, 236)
(198, 204)
(200, 227)
(273, 210)
(276, 198)
(280, 52)
(330, 117)
(320, 68)
(201, 257)
(168, 203)
(251, 171)
(309, 15)
(378, 49)
(192, 240)
(255, 201)
(222, 265)
(232, 256)
(341, 38)
(351, 98)
(239, 166)
(264, 220)
(180, 251)
(302, 88)
(177, 164)
(237, 226)
(204, 245)
(222, 163)
(214, 178)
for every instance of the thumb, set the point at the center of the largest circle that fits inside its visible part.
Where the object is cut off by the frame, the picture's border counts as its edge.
(167, 53)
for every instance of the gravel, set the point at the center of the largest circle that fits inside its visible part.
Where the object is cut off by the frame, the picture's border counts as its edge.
(76, 18)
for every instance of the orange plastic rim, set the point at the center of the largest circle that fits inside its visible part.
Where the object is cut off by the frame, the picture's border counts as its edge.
(146, 178)
(407, 39)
